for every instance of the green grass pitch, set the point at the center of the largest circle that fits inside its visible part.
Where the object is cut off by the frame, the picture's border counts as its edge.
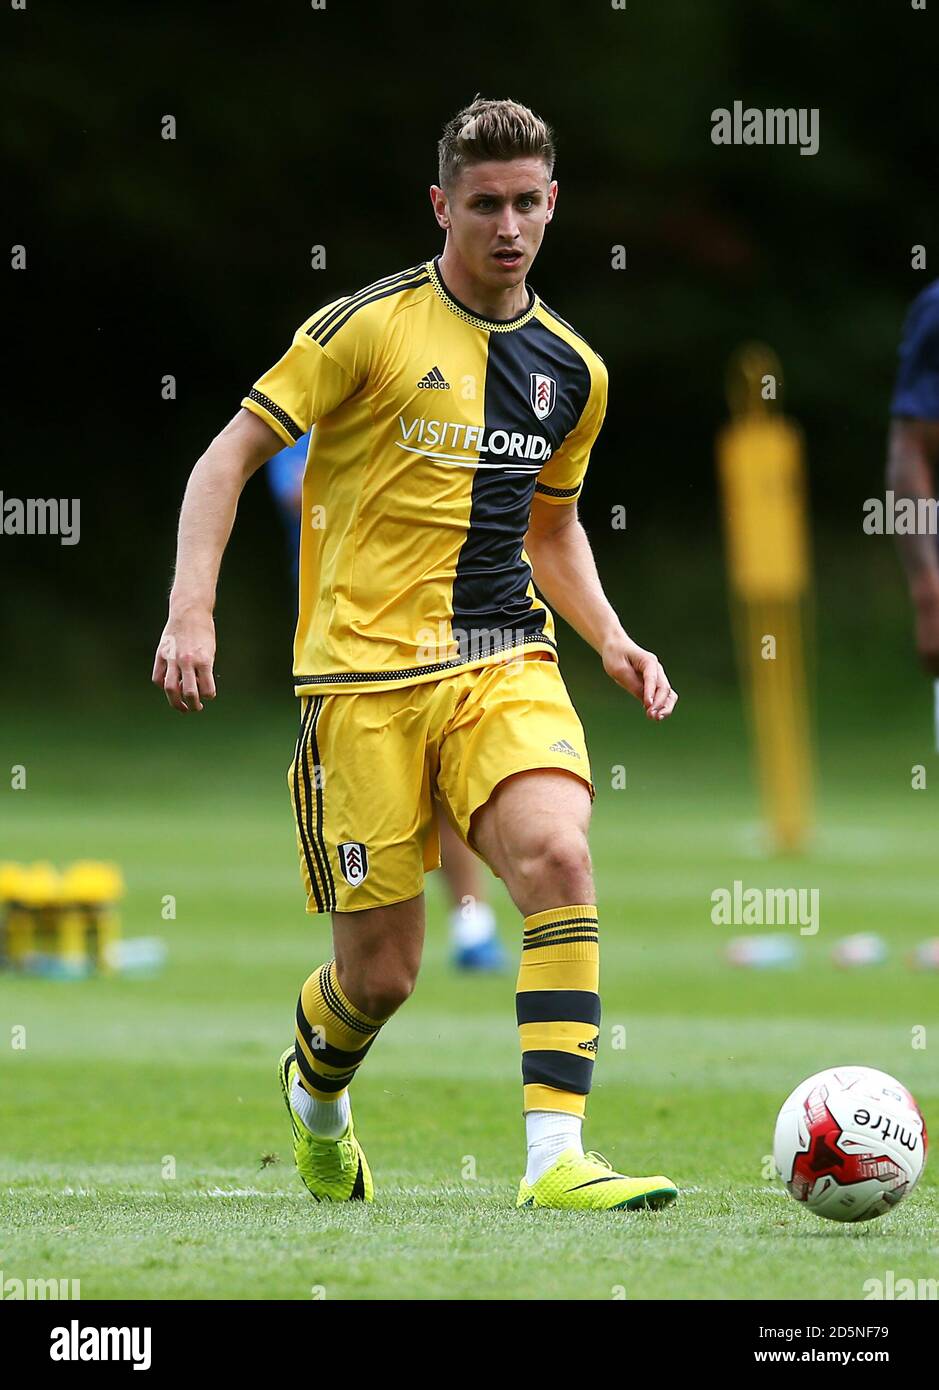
(140, 1120)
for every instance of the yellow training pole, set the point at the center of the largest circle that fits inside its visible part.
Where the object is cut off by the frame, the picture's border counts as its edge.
(763, 494)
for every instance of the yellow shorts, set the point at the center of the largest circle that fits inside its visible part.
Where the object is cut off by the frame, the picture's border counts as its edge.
(368, 766)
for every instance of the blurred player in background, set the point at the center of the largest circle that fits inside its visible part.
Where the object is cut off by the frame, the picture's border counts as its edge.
(913, 461)
(285, 480)
(476, 944)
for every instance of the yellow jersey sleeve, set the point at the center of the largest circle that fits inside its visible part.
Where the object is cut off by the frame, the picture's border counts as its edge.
(561, 479)
(311, 380)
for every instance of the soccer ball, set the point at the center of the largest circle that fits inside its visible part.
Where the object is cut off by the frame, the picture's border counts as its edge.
(850, 1142)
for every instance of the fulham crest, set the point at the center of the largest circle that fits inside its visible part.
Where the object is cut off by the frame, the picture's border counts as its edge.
(544, 391)
(353, 860)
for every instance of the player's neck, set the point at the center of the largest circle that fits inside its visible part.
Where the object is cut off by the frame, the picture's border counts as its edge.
(482, 299)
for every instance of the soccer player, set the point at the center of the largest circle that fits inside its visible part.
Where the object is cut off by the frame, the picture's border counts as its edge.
(912, 459)
(476, 944)
(455, 414)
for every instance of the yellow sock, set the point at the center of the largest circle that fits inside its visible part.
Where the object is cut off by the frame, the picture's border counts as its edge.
(557, 1006)
(333, 1036)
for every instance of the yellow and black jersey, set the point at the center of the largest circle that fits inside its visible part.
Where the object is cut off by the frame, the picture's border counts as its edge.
(434, 429)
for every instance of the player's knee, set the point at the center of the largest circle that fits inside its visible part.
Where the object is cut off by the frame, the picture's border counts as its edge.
(561, 860)
(381, 988)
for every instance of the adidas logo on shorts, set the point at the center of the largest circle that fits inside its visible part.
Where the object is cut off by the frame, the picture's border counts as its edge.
(434, 381)
(562, 746)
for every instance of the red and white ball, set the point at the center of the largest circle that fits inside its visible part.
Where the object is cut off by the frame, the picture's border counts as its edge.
(850, 1143)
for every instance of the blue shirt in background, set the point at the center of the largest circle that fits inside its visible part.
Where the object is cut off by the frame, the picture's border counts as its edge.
(916, 391)
(284, 473)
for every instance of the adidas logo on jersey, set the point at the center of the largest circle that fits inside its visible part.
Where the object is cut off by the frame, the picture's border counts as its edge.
(562, 746)
(434, 381)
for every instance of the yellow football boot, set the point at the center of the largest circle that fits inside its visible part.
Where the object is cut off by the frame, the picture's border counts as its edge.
(334, 1170)
(587, 1182)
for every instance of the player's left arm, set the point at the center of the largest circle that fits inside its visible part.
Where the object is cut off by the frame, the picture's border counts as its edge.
(564, 569)
(563, 566)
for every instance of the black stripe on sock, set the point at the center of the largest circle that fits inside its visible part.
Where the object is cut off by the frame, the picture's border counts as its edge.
(338, 1007)
(563, 940)
(324, 1051)
(318, 1080)
(562, 1070)
(557, 1006)
(563, 922)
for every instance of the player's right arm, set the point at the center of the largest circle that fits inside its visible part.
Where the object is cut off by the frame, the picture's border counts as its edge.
(185, 656)
(325, 364)
(912, 455)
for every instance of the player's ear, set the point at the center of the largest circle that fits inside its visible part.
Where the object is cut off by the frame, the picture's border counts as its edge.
(441, 210)
(552, 199)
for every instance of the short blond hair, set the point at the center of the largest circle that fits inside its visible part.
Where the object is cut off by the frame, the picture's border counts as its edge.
(489, 129)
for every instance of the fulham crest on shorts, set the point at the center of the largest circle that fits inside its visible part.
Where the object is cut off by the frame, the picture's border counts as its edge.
(353, 860)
